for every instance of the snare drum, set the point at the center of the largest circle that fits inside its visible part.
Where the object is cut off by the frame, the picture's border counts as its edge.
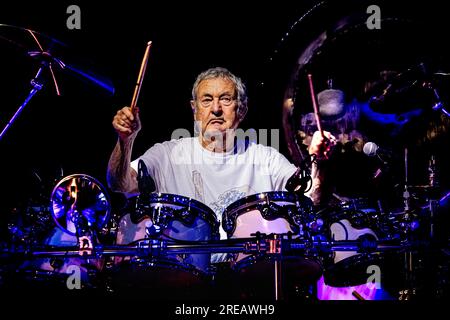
(172, 218)
(270, 212)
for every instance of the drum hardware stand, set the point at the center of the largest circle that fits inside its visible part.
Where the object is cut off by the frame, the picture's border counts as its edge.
(146, 186)
(36, 83)
(275, 249)
(410, 224)
(85, 234)
(300, 181)
(432, 192)
(273, 244)
(409, 292)
(433, 201)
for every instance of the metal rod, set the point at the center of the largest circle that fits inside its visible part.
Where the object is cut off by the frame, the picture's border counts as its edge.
(278, 280)
(246, 245)
(36, 87)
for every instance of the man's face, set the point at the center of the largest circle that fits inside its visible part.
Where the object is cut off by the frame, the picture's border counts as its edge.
(215, 107)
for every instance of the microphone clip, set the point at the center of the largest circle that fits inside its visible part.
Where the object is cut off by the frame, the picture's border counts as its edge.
(146, 185)
(301, 181)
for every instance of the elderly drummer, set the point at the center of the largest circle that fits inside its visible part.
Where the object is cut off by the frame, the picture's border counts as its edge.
(215, 167)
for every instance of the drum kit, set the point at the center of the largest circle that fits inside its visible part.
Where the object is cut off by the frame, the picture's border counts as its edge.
(160, 246)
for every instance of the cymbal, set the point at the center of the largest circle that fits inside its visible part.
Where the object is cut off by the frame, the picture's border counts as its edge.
(405, 91)
(51, 52)
(80, 199)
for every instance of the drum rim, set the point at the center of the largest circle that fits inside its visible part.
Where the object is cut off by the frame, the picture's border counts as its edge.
(205, 212)
(175, 199)
(260, 197)
(243, 205)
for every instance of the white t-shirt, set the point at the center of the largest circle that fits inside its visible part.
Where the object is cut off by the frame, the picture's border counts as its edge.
(183, 167)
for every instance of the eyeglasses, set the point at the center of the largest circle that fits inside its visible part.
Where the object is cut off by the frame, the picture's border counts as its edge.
(224, 101)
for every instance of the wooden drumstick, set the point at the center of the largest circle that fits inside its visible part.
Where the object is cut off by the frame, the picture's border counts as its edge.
(316, 109)
(140, 78)
(357, 295)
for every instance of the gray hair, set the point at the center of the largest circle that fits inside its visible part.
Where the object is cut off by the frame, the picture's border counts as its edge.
(219, 72)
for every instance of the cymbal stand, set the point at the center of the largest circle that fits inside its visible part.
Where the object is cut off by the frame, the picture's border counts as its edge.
(410, 290)
(275, 248)
(37, 84)
(36, 87)
(433, 203)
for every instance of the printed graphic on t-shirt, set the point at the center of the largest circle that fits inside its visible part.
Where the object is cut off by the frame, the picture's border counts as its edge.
(223, 201)
(198, 185)
(228, 197)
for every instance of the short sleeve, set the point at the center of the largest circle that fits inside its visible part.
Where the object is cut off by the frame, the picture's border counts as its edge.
(281, 169)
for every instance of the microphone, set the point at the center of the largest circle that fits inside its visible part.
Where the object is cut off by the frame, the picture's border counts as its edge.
(145, 182)
(371, 149)
(294, 182)
(146, 186)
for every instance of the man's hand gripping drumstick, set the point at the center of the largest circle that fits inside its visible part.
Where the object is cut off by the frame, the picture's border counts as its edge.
(127, 124)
